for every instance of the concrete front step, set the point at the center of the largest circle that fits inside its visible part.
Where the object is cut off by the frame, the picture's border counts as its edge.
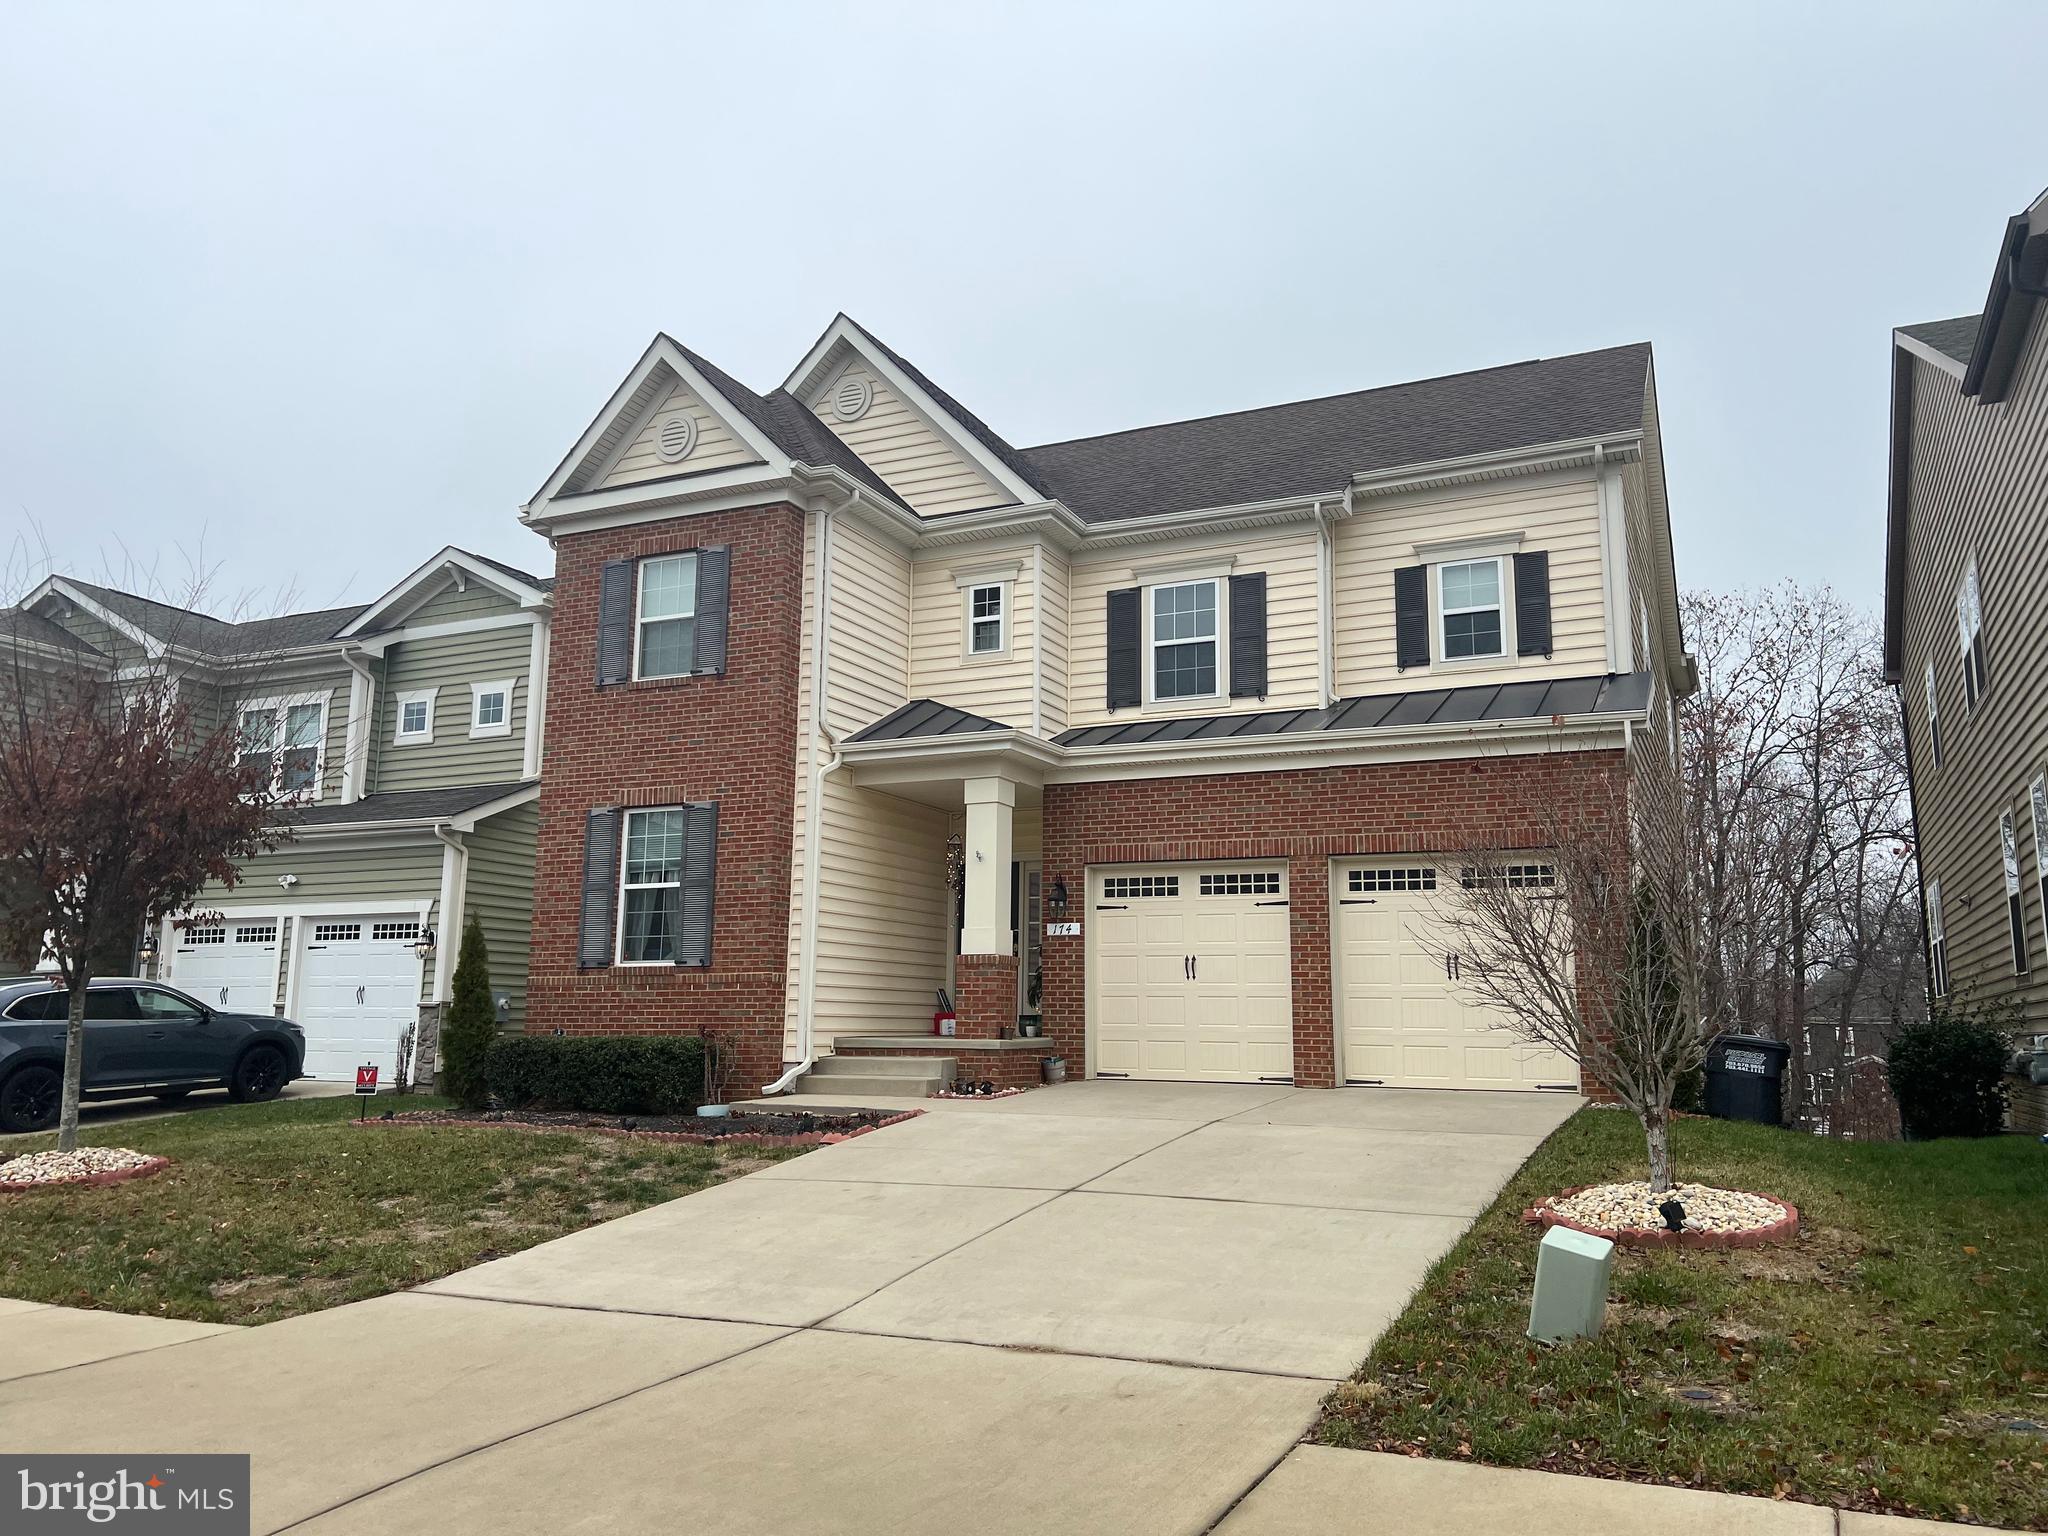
(940, 1067)
(851, 1084)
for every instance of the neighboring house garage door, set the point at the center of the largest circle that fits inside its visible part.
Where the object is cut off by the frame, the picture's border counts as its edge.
(1402, 1020)
(1188, 972)
(358, 988)
(230, 965)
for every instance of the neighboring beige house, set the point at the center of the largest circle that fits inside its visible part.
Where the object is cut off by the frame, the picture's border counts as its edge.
(1148, 741)
(1965, 642)
(409, 731)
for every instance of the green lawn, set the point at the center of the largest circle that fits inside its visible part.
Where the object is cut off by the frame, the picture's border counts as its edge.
(1877, 1362)
(274, 1209)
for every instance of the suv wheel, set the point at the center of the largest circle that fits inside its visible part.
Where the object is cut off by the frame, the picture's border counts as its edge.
(29, 1100)
(259, 1075)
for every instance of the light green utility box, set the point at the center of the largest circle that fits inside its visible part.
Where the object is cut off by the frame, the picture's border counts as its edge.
(1571, 1286)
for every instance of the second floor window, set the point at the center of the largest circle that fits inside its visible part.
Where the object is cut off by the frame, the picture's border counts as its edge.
(1933, 717)
(490, 709)
(665, 636)
(2015, 909)
(985, 620)
(1970, 633)
(1184, 641)
(1469, 609)
(415, 717)
(286, 734)
(1937, 942)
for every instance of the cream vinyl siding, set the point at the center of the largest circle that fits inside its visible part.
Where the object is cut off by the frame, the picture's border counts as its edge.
(996, 685)
(717, 447)
(500, 894)
(882, 910)
(1558, 514)
(1288, 558)
(900, 445)
(449, 664)
(1054, 619)
(871, 585)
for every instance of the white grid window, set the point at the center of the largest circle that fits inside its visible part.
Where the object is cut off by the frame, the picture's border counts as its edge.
(255, 933)
(490, 708)
(415, 716)
(408, 931)
(987, 620)
(651, 888)
(1139, 887)
(336, 933)
(1970, 634)
(2015, 908)
(1242, 883)
(194, 938)
(1184, 664)
(1469, 610)
(1514, 876)
(1422, 879)
(665, 638)
(288, 735)
(1933, 717)
(1937, 942)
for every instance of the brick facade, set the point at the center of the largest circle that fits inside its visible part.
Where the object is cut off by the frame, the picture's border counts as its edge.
(1307, 817)
(730, 739)
(985, 995)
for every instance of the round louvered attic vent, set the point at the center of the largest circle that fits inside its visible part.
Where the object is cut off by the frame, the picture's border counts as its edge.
(850, 401)
(678, 435)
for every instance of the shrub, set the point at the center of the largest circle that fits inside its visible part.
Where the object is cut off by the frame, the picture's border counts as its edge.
(471, 1022)
(599, 1074)
(1948, 1071)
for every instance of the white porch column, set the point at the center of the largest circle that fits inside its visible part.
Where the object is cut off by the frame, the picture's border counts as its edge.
(991, 807)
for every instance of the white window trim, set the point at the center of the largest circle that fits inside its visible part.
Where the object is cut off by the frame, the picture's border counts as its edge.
(400, 736)
(2015, 903)
(640, 622)
(1002, 650)
(2037, 808)
(1970, 631)
(1153, 642)
(277, 705)
(1933, 719)
(619, 918)
(1440, 648)
(506, 686)
(1937, 942)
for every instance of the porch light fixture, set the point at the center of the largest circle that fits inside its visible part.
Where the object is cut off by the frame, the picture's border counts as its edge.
(423, 946)
(146, 950)
(1057, 900)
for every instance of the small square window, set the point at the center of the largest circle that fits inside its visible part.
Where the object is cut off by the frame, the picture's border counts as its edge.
(416, 716)
(490, 708)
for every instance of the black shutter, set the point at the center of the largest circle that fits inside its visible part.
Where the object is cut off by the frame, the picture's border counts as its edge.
(1126, 685)
(700, 877)
(1411, 617)
(1532, 603)
(714, 595)
(615, 623)
(1248, 636)
(600, 888)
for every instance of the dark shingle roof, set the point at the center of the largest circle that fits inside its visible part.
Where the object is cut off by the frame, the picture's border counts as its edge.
(543, 583)
(926, 717)
(33, 628)
(1315, 446)
(1612, 694)
(399, 805)
(1955, 338)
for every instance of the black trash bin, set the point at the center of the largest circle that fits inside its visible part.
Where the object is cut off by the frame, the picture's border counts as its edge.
(1746, 1078)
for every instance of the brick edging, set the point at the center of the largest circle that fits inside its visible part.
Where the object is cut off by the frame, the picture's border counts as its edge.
(682, 1138)
(1543, 1214)
(112, 1176)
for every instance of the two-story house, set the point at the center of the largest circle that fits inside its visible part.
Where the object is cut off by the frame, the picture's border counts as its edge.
(1964, 639)
(1147, 741)
(406, 734)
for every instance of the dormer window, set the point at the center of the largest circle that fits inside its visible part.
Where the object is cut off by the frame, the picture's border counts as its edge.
(1469, 609)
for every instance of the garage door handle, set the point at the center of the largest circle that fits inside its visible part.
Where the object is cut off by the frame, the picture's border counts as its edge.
(1112, 907)
(1280, 903)
(1358, 901)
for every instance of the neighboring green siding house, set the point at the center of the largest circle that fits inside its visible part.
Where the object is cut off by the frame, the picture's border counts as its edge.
(1965, 643)
(410, 730)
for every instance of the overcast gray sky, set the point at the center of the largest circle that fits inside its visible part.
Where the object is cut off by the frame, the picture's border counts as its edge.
(317, 289)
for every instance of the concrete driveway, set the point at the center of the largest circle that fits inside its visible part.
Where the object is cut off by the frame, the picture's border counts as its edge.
(1106, 1305)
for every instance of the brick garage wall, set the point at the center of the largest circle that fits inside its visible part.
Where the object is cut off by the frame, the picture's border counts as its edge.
(1307, 817)
(732, 739)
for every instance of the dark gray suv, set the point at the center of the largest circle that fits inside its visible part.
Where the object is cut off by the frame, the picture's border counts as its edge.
(140, 1037)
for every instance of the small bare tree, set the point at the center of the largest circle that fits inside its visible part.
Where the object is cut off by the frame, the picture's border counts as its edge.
(122, 794)
(1574, 927)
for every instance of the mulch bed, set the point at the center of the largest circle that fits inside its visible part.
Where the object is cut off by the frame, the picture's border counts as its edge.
(771, 1128)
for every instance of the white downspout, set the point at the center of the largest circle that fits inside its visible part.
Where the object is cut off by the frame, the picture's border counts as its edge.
(814, 812)
(454, 881)
(536, 700)
(1037, 639)
(1325, 623)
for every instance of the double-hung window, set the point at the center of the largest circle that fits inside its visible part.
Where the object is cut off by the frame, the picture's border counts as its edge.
(987, 620)
(1933, 717)
(1970, 634)
(651, 888)
(2015, 910)
(286, 734)
(1937, 942)
(1183, 647)
(665, 634)
(1469, 609)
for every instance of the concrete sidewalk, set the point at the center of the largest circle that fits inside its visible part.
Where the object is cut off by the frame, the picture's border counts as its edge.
(1318, 1490)
(37, 1339)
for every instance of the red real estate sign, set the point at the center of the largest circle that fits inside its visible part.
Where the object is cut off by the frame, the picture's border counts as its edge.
(366, 1079)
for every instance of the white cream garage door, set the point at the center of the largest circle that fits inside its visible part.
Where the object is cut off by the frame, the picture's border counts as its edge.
(230, 965)
(1404, 1020)
(358, 988)
(1188, 972)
